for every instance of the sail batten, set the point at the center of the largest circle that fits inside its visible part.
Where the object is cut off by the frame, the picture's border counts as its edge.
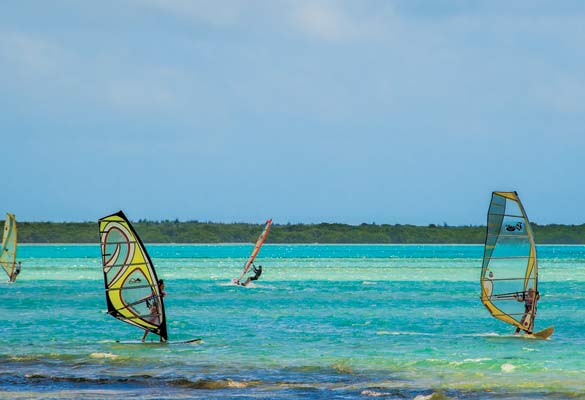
(509, 268)
(123, 265)
(505, 235)
(131, 284)
(507, 215)
(9, 242)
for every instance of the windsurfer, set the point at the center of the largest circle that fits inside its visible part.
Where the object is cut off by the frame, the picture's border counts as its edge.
(530, 299)
(257, 273)
(152, 304)
(16, 272)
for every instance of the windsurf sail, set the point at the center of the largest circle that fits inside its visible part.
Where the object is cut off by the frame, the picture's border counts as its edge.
(257, 247)
(509, 273)
(8, 256)
(132, 291)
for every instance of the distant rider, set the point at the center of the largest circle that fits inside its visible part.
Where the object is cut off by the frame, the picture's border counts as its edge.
(16, 272)
(257, 273)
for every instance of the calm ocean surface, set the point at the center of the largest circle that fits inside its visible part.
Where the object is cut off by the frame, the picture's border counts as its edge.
(326, 322)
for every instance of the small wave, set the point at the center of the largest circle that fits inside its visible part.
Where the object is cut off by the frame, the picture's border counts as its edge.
(373, 393)
(507, 367)
(211, 384)
(104, 355)
(529, 349)
(228, 284)
(489, 334)
(22, 358)
(369, 283)
(404, 333)
(342, 366)
(432, 396)
(468, 360)
(80, 379)
(477, 360)
(142, 380)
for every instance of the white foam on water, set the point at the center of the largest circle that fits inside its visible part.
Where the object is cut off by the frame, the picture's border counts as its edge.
(423, 397)
(507, 367)
(404, 333)
(373, 393)
(104, 355)
(487, 334)
(529, 349)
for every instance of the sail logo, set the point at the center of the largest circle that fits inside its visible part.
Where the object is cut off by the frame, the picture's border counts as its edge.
(514, 227)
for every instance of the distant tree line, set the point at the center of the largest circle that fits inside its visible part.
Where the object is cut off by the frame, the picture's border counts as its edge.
(209, 232)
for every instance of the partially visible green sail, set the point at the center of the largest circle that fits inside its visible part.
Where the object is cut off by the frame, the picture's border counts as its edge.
(8, 256)
(509, 273)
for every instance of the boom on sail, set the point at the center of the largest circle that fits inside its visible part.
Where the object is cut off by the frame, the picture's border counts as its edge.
(131, 285)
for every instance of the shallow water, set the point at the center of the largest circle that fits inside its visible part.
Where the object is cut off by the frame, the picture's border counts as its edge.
(324, 321)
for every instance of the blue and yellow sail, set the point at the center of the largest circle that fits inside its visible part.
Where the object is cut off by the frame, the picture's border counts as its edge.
(509, 271)
(131, 283)
(9, 241)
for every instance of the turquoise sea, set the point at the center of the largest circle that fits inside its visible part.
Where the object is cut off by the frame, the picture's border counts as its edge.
(323, 322)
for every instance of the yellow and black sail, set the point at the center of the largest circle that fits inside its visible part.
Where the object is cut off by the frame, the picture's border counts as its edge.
(132, 290)
(9, 240)
(509, 273)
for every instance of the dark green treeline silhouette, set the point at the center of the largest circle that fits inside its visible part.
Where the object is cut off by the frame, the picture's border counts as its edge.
(209, 232)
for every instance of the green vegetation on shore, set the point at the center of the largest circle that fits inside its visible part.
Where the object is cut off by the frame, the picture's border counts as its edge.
(208, 232)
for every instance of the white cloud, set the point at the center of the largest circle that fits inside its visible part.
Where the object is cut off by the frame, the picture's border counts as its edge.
(43, 69)
(564, 94)
(144, 89)
(219, 13)
(28, 54)
(339, 21)
(321, 21)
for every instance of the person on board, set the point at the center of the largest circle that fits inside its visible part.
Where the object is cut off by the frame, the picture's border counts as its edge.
(152, 304)
(530, 299)
(16, 272)
(257, 273)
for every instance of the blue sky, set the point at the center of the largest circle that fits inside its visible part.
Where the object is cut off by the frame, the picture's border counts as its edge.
(302, 111)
